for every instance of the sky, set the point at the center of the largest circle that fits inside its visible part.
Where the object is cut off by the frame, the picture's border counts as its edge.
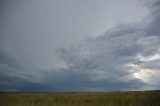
(79, 45)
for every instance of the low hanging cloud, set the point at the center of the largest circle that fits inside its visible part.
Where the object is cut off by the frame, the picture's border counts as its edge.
(126, 54)
(127, 57)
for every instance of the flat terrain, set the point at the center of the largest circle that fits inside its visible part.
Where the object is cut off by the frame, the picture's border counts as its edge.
(147, 98)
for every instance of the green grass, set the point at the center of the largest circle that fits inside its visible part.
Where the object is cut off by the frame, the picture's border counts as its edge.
(148, 98)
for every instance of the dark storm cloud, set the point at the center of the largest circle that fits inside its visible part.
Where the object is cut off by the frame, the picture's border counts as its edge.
(123, 58)
(6, 60)
(154, 28)
(103, 59)
(14, 75)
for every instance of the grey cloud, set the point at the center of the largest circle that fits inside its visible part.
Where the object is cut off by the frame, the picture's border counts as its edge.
(13, 74)
(154, 28)
(96, 64)
(106, 56)
(100, 63)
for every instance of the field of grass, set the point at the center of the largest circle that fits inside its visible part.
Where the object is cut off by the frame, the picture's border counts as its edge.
(147, 98)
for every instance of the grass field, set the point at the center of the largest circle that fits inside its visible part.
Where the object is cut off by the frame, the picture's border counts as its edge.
(147, 98)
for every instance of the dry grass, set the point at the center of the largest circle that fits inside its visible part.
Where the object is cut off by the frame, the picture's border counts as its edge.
(148, 98)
